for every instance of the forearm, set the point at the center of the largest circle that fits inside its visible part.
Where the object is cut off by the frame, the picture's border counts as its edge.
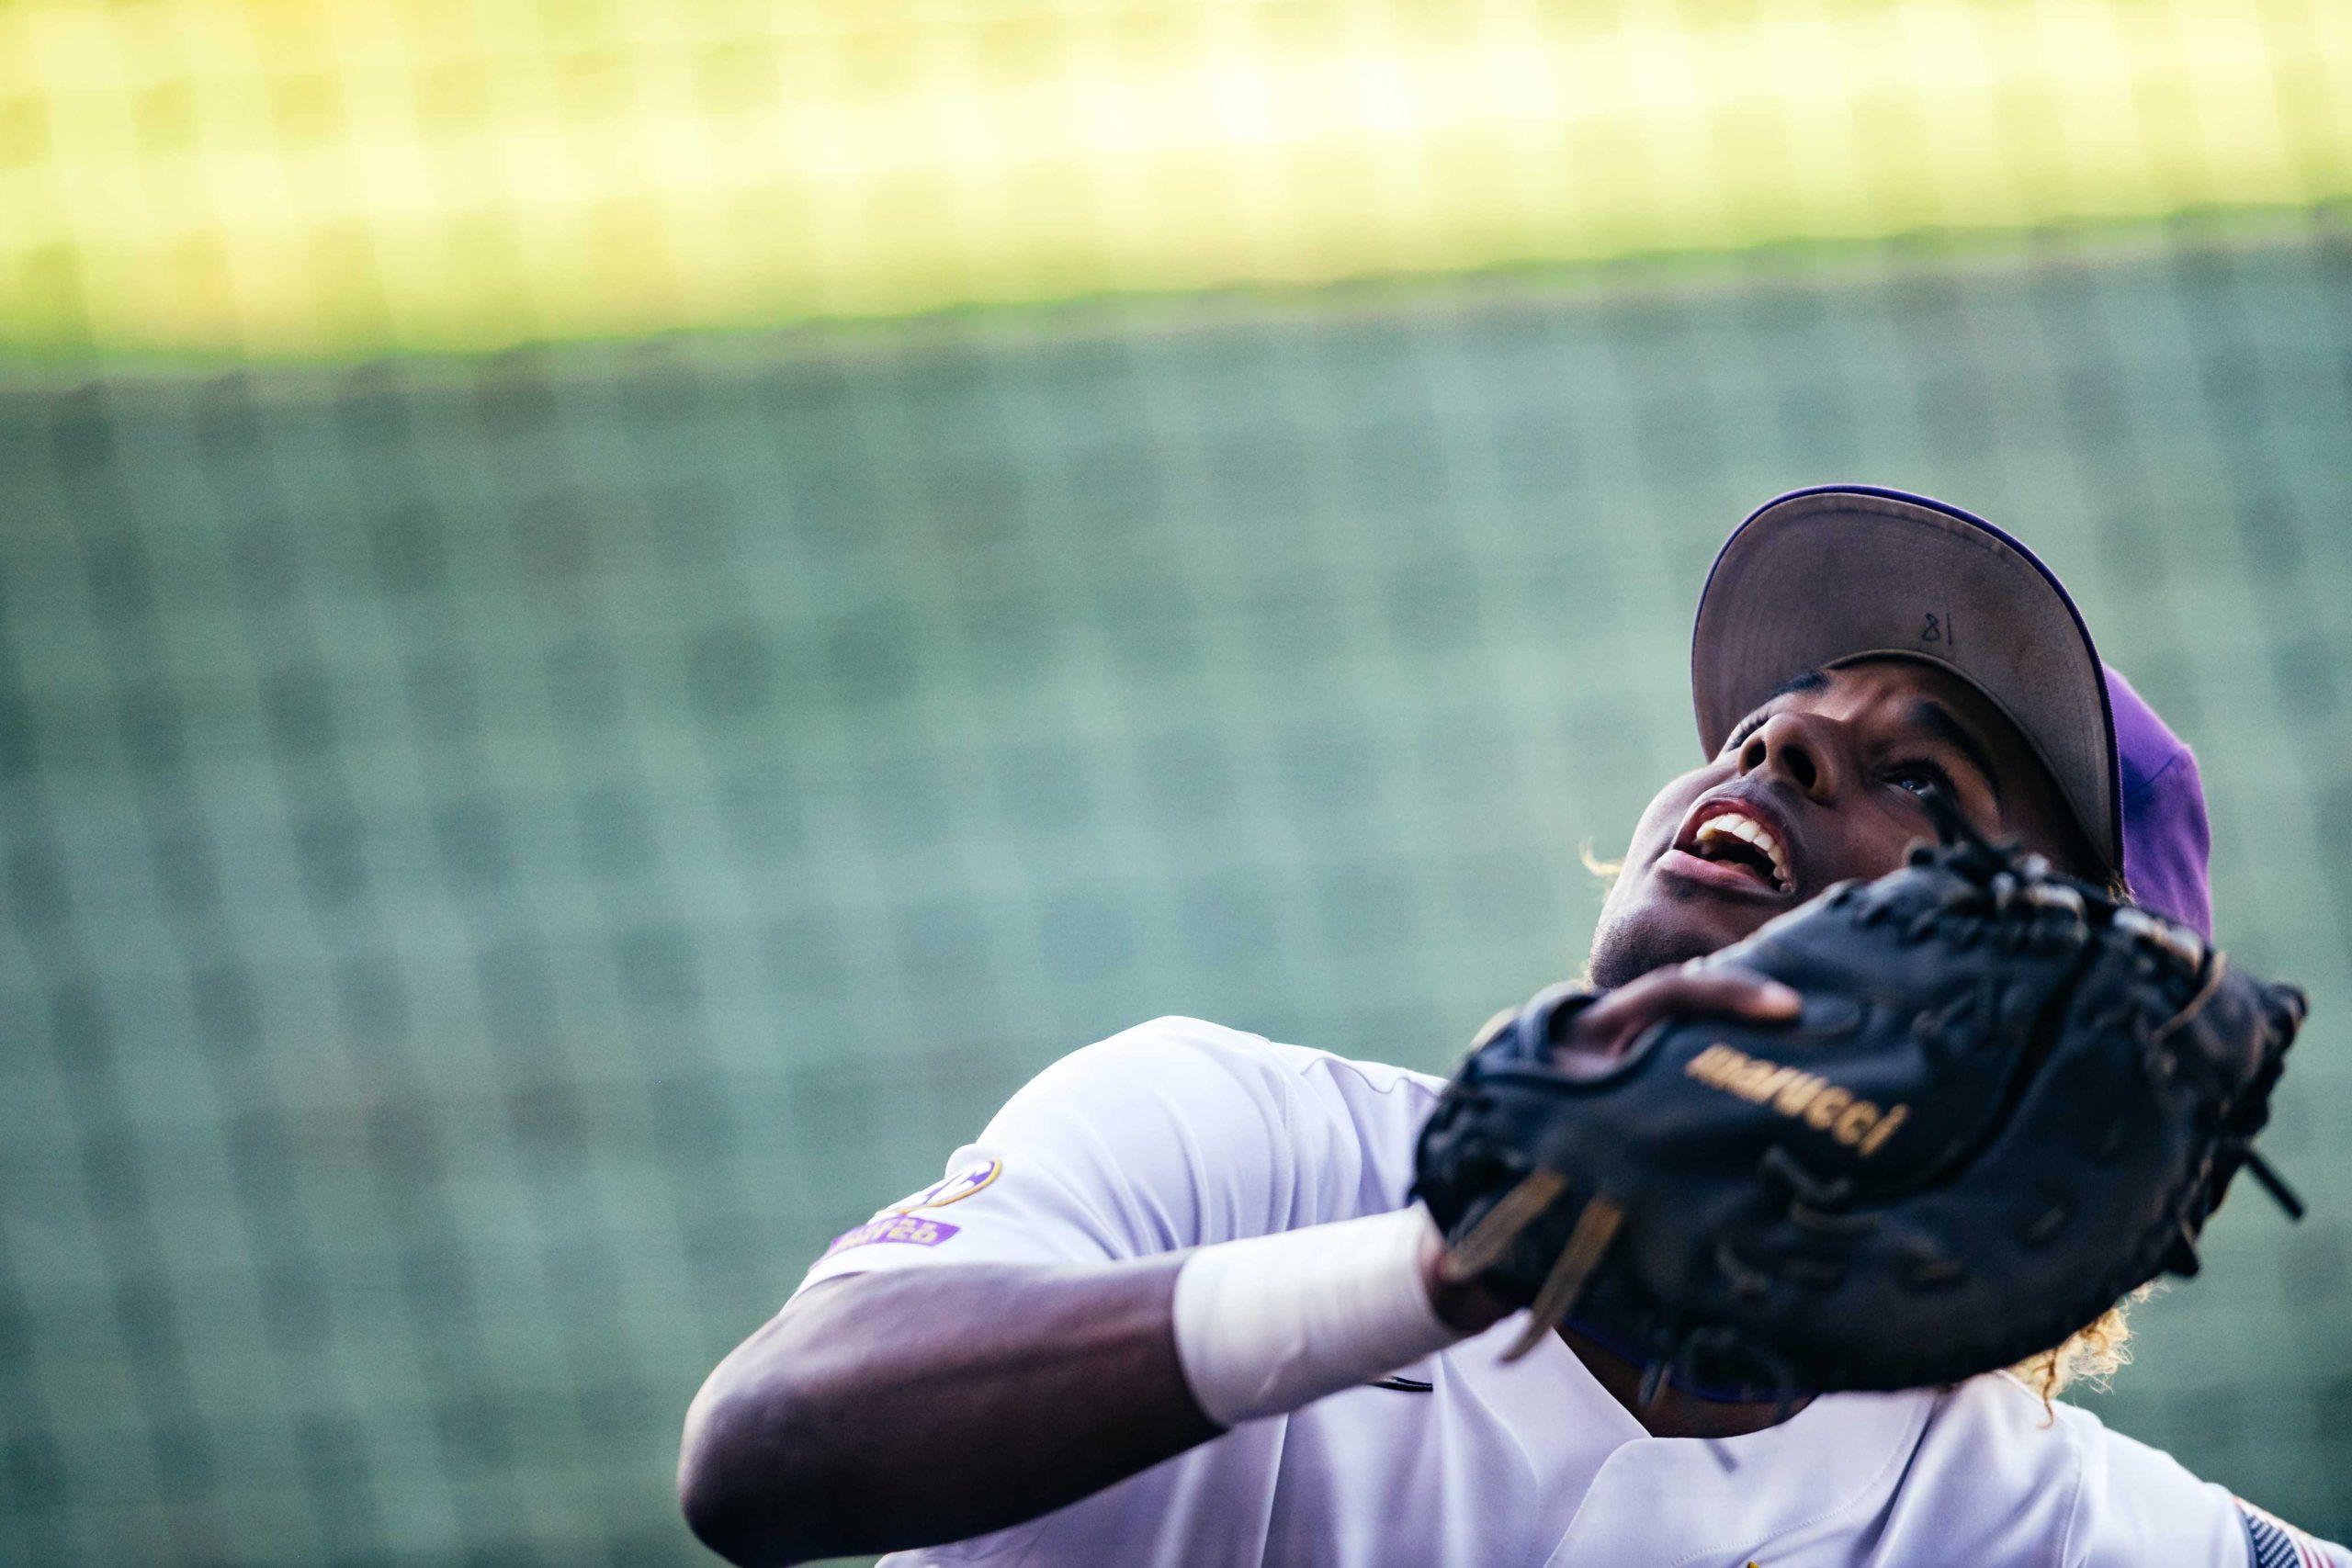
(914, 1408)
(907, 1409)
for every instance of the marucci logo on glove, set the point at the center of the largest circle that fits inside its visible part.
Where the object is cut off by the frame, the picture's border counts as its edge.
(1860, 1124)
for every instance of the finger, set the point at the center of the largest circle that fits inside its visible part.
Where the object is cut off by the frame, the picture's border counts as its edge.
(1733, 992)
(1720, 990)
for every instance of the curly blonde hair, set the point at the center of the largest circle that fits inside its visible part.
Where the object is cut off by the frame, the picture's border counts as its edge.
(2090, 1355)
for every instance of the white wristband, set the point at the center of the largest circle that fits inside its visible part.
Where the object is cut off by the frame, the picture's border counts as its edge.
(1269, 1322)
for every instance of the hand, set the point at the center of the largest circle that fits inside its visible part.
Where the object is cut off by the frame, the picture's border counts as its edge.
(1599, 1034)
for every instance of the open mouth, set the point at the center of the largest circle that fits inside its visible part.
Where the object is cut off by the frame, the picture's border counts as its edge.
(1727, 836)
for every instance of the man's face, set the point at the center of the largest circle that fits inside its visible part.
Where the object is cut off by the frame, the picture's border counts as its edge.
(1821, 783)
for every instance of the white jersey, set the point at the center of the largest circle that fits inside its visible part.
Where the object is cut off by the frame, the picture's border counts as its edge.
(1179, 1132)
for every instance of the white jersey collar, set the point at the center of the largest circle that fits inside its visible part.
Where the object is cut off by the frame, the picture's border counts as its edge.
(1723, 1498)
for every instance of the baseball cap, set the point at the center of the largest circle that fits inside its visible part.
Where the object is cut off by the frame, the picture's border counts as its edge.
(1825, 576)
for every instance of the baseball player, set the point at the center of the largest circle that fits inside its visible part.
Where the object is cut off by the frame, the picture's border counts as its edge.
(1177, 1304)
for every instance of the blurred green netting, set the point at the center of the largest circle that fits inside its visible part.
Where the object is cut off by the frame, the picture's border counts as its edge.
(505, 853)
(503, 858)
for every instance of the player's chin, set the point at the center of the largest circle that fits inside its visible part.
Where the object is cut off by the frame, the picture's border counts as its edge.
(1665, 919)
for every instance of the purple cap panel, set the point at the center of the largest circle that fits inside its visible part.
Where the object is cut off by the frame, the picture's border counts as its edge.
(2167, 844)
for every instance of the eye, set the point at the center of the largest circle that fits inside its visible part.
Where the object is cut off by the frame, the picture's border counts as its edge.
(1917, 777)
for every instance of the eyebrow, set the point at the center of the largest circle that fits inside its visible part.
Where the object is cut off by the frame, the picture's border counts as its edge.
(1803, 680)
(1937, 719)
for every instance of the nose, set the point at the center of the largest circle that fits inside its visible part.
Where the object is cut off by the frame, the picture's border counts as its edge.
(1801, 748)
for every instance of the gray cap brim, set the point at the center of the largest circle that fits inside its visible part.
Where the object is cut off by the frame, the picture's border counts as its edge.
(1822, 577)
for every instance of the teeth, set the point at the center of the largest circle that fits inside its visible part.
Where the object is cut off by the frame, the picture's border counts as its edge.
(1736, 825)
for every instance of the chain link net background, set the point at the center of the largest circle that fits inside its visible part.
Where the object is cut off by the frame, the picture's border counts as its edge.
(503, 859)
(507, 852)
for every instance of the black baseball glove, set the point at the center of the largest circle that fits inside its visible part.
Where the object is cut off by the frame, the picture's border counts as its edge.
(2008, 1100)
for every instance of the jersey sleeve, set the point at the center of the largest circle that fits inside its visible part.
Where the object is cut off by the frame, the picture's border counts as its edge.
(2138, 1507)
(1174, 1134)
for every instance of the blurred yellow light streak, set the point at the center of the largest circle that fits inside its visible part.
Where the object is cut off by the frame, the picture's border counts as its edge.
(291, 177)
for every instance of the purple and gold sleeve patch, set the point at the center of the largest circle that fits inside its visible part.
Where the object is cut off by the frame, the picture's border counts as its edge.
(911, 1229)
(953, 1188)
